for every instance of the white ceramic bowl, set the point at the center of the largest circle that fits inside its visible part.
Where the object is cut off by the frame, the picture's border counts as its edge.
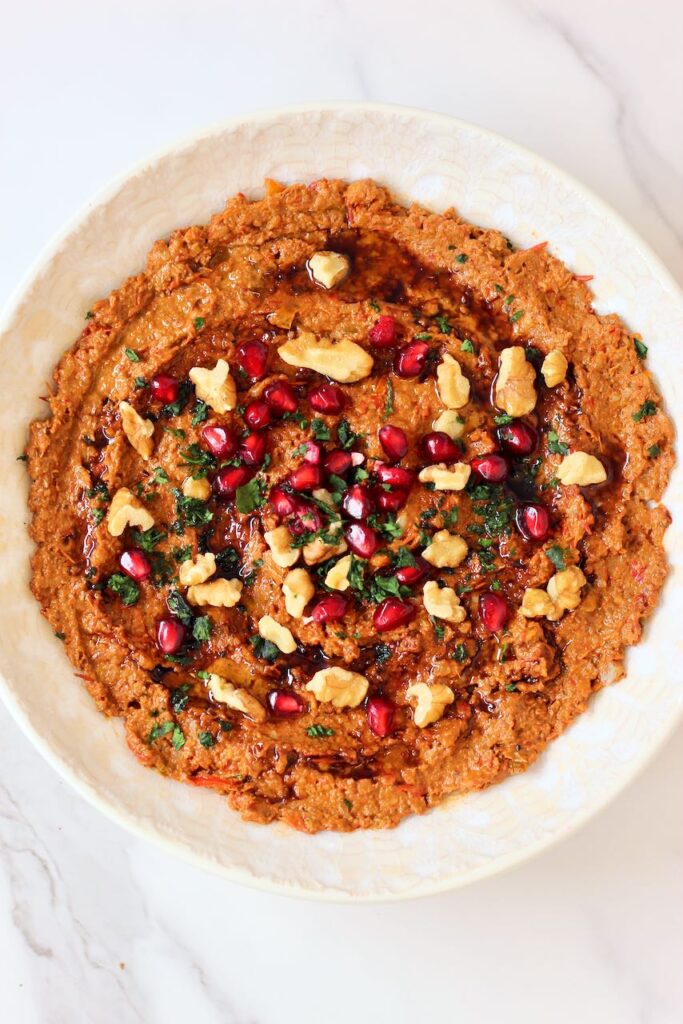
(439, 162)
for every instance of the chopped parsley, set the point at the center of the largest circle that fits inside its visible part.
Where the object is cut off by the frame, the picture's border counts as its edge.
(124, 587)
(654, 450)
(557, 556)
(438, 628)
(250, 496)
(461, 257)
(648, 408)
(382, 653)
(374, 305)
(264, 649)
(443, 324)
(640, 347)
(180, 697)
(555, 446)
(321, 432)
(201, 630)
(502, 420)
(160, 730)
(423, 336)
(200, 412)
(160, 476)
(132, 355)
(346, 436)
(319, 731)
(460, 652)
(515, 316)
(175, 408)
(200, 460)
(389, 402)
(183, 554)
(177, 737)
(206, 739)
(199, 323)
(467, 345)
(225, 726)
(140, 383)
(191, 511)
(178, 606)
(148, 539)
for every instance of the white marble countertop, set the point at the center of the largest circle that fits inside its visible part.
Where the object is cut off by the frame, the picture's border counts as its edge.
(88, 915)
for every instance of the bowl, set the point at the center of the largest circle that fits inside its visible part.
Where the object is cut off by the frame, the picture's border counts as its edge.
(439, 162)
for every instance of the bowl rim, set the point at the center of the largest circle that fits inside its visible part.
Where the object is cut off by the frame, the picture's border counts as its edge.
(142, 828)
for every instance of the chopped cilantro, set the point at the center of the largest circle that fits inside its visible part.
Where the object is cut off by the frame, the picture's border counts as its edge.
(515, 316)
(374, 305)
(648, 408)
(423, 336)
(461, 258)
(126, 588)
(140, 383)
(403, 557)
(502, 420)
(654, 450)
(467, 345)
(206, 739)
(438, 628)
(347, 804)
(511, 687)
(640, 347)
(160, 476)
(179, 434)
(132, 355)
(225, 726)
(178, 737)
(199, 323)
(183, 554)
(198, 458)
(443, 324)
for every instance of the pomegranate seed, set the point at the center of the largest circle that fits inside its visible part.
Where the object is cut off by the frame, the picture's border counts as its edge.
(383, 334)
(395, 476)
(281, 397)
(391, 501)
(170, 635)
(306, 477)
(392, 613)
(439, 447)
(518, 438)
(285, 702)
(357, 502)
(409, 575)
(380, 715)
(330, 608)
(228, 479)
(491, 468)
(257, 414)
(394, 442)
(533, 521)
(283, 504)
(305, 519)
(362, 539)
(493, 611)
(338, 463)
(165, 388)
(410, 360)
(220, 441)
(313, 453)
(135, 564)
(253, 449)
(327, 398)
(253, 358)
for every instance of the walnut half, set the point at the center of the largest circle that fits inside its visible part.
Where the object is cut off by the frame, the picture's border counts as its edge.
(342, 688)
(432, 701)
(344, 360)
(515, 391)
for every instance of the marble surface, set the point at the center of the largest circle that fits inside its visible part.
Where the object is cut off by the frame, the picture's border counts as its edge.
(96, 926)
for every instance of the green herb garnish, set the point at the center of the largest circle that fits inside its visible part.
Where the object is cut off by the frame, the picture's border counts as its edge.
(132, 355)
(124, 587)
(648, 408)
(319, 731)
